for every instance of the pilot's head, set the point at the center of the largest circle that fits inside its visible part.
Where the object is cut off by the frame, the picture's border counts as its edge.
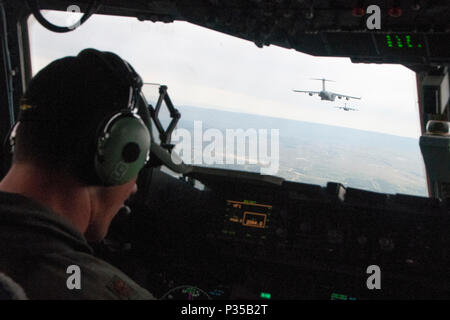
(78, 121)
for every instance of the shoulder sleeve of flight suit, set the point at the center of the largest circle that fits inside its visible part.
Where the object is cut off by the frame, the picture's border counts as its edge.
(77, 275)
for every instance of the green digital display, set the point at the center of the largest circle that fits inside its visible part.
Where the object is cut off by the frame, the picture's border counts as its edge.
(265, 295)
(401, 41)
(339, 296)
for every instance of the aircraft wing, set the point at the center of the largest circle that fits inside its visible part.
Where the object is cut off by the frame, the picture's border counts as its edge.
(344, 96)
(308, 92)
(347, 108)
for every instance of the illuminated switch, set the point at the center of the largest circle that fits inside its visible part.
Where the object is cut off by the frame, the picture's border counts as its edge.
(386, 244)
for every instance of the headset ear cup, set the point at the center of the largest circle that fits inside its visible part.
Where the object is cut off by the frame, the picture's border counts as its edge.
(8, 148)
(122, 150)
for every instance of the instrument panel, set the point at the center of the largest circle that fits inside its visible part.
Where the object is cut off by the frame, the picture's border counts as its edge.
(241, 239)
(247, 218)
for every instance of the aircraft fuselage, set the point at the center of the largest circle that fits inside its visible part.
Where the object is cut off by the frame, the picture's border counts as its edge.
(326, 95)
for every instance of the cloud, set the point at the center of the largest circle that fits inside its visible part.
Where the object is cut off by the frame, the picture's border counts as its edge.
(205, 68)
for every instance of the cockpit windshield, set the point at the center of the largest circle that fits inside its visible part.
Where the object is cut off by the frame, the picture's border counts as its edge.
(243, 107)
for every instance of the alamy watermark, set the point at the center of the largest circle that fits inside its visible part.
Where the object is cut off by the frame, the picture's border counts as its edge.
(70, 20)
(374, 280)
(74, 279)
(258, 147)
(374, 20)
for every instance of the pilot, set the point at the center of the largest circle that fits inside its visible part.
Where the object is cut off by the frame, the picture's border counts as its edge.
(77, 149)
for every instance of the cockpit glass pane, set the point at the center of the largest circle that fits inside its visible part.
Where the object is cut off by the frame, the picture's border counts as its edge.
(240, 111)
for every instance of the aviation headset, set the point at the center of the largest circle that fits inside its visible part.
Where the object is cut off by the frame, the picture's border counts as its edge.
(122, 140)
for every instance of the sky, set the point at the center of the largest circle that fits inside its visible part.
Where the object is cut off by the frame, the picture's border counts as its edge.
(205, 68)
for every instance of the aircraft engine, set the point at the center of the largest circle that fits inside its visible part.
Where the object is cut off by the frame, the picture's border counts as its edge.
(310, 94)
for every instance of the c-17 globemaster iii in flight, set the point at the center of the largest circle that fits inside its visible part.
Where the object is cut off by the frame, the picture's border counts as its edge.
(327, 95)
(345, 108)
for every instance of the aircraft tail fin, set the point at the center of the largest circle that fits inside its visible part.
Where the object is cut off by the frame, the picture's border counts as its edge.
(323, 81)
